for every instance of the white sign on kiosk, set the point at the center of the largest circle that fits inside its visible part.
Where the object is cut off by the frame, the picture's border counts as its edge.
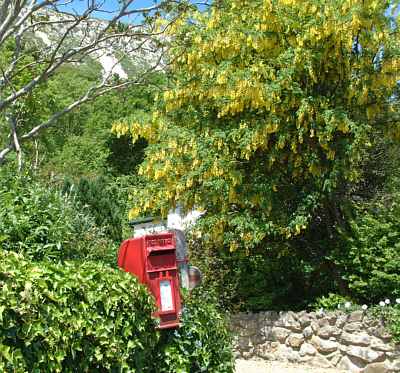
(167, 303)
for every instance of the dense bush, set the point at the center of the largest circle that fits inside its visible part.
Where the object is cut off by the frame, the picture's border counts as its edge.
(390, 317)
(370, 256)
(100, 197)
(331, 302)
(106, 199)
(73, 318)
(202, 344)
(86, 317)
(41, 223)
(359, 261)
(274, 277)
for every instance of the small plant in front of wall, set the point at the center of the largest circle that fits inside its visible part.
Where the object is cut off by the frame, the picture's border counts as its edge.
(389, 314)
(387, 311)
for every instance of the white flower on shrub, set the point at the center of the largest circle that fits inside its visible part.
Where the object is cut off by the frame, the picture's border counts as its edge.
(382, 303)
(387, 301)
(338, 306)
(364, 307)
(347, 305)
(398, 300)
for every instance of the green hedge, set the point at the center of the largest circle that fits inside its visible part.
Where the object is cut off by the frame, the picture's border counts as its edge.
(72, 318)
(87, 317)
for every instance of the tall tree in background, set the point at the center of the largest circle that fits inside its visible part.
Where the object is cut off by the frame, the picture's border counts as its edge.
(272, 107)
(37, 38)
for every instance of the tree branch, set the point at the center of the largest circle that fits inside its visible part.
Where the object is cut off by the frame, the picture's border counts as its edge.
(90, 95)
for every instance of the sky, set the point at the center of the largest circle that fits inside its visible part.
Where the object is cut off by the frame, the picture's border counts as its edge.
(79, 6)
(111, 5)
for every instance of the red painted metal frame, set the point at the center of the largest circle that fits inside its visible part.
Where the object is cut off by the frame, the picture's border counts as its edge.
(134, 257)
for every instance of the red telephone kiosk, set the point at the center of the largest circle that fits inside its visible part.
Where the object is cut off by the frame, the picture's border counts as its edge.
(153, 258)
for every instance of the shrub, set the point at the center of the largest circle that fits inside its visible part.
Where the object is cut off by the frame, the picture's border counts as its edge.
(331, 302)
(370, 258)
(202, 344)
(270, 277)
(69, 317)
(390, 317)
(41, 223)
(99, 196)
(72, 318)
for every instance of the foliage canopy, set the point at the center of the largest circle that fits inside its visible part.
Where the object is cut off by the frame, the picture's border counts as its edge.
(271, 105)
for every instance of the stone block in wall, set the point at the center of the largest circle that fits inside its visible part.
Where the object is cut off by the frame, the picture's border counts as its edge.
(248, 354)
(395, 365)
(320, 361)
(377, 368)
(358, 339)
(241, 320)
(307, 349)
(265, 351)
(332, 318)
(257, 339)
(242, 332)
(353, 327)
(324, 322)
(295, 340)
(285, 353)
(365, 354)
(308, 332)
(380, 332)
(305, 320)
(329, 331)
(323, 345)
(369, 321)
(348, 365)
(356, 316)
(288, 320)
(269, 317)
(341, 320)
(379, 345)
(243, 343)
(314, 326)
(279, 334)
(300, 314)
(266, 332)
(334, 357)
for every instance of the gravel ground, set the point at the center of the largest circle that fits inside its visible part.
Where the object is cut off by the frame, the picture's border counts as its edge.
(262, 366)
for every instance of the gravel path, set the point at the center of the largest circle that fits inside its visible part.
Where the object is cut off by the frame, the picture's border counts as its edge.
(262, 366)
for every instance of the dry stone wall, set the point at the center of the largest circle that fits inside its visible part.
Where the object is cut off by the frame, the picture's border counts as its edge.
(353, 342)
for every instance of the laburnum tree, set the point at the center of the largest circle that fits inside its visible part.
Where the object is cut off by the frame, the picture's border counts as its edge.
(272, 106)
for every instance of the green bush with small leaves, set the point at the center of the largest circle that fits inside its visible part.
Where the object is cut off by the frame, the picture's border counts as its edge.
(370, 254)
(40, 222)
(203, 342)
(73, 317)
(330, 302)
(390, 317)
